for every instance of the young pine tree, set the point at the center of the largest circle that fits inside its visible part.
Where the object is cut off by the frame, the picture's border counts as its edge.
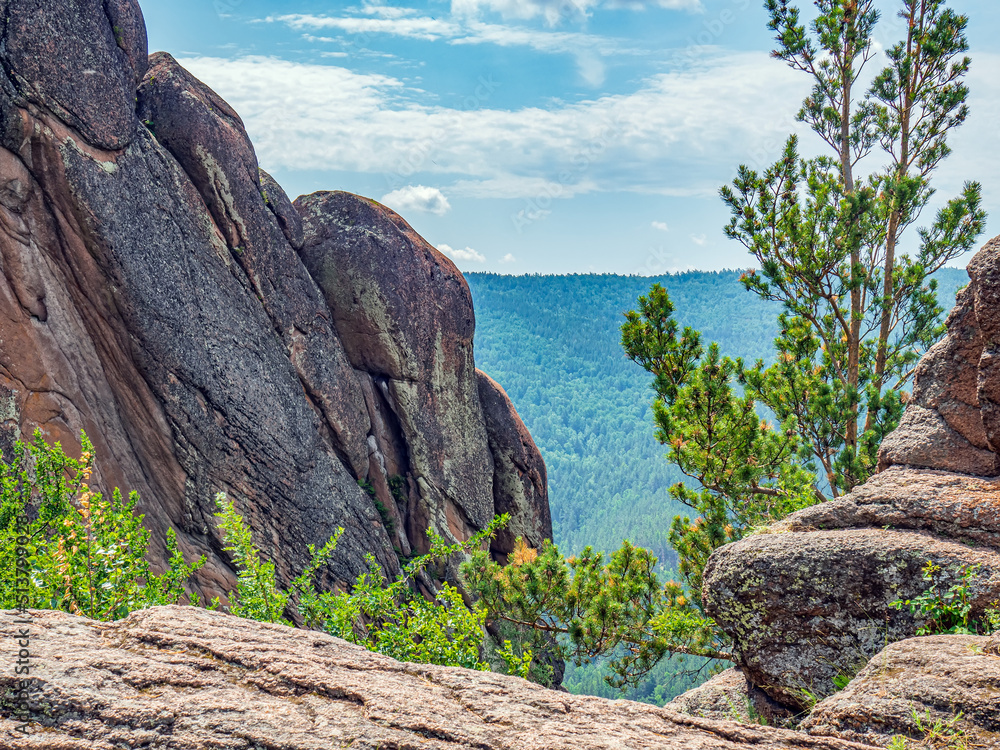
(829, 244)
(759, 441)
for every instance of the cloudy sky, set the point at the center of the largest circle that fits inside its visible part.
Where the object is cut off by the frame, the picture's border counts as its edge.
(536, 136)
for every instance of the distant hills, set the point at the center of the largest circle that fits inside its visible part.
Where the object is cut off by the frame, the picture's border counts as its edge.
(553, 342)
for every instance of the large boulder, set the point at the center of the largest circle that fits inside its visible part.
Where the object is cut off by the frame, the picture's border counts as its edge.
(520, 488)
(910, 686)
(806, 607)
(418, 348)
(730, 696)
(183, 677)
(152, 294)
(953, 419)
(81, 60)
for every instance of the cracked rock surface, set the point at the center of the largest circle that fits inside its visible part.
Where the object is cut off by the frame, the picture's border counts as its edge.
(934, 677)
(187, 678)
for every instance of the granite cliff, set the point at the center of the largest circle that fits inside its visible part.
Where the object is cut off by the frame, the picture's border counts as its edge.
(161, 292)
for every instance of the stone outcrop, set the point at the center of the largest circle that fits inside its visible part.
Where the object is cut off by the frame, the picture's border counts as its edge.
(152, 293)
(929, 679)
(416, 349)
(809, 599)
(731, 697)
(519, 480)
(183, 677)
(806, 607)
(953, 419)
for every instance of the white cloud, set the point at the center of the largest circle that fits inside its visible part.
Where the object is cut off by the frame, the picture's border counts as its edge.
(428, 29)
(387, 11)
(555, 11)
(467, 254)
(699, 239)
(508, 258)
(586, 48)
(676, 134)
(417, 198)
(661, 225)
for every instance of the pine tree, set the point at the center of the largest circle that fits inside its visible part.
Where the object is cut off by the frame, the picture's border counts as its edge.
(857, 311)
(759, 441)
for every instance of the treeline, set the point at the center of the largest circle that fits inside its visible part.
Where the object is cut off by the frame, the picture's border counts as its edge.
(554, 344)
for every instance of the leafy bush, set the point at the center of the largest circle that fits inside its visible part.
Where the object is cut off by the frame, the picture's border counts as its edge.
(83, 553)
(948, 610)
(390, 618)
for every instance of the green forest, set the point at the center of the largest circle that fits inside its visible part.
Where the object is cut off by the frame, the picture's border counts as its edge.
(554, 343)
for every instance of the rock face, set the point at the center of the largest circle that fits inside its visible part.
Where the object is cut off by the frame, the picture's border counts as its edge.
(152, 293)
(182, 677)
(416, 350)
(729, 696)
(953, 419)
(805, 607)
(809, 600)
(932, 676)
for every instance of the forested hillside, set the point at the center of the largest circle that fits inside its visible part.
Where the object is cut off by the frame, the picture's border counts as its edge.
(553, 342)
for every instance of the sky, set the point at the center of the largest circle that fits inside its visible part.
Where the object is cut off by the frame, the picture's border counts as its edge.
(539, 136)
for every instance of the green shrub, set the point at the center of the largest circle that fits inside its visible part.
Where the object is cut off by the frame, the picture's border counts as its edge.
(390, 618)
(947, 611)
(82, 552)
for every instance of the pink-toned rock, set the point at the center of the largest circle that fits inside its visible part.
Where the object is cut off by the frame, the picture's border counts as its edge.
(951, 423)
(174, 677)
(404, 314)
(951, 506)
(953, 680)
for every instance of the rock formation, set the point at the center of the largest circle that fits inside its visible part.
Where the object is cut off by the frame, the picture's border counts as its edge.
(926, 679)
(809, 600)
(162, 293)
(184, 677)
(953, 420)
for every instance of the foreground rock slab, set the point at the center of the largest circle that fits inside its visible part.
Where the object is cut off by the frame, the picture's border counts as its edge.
(181, 677)
(933, 678)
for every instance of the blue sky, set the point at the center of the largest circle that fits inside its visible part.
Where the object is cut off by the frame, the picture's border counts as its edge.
(536, 136)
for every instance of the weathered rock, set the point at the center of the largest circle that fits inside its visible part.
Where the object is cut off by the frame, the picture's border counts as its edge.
(367, 261)
(151, 294)
(730, 697)
(935, 677)
(519, 482)
(284, 212)
(80, 60)
(953, 506)
(805, 607)
(181, 677)
(725, 696)
(208, 139)
(951, 423)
